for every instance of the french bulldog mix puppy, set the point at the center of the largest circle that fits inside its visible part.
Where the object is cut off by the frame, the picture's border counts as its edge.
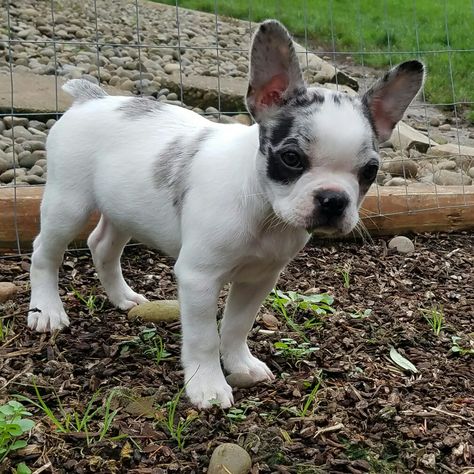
(231, 203)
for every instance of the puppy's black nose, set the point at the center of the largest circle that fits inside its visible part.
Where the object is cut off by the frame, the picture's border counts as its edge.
(331, 203)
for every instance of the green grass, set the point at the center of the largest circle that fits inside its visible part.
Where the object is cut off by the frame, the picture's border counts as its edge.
(378, 34)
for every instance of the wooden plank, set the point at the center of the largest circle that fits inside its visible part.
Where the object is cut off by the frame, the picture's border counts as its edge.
(385, 211)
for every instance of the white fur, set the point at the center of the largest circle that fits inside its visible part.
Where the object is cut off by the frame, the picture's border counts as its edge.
(233, 224)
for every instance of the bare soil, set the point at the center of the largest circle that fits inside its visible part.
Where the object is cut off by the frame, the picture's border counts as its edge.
(368, 415)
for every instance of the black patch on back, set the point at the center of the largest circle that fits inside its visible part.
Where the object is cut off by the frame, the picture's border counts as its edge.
(172, 165)
(137, 107)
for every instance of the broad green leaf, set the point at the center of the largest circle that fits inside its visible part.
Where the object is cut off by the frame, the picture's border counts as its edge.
(22, 468)
(26, 425)
(18, 444)
(402, 361)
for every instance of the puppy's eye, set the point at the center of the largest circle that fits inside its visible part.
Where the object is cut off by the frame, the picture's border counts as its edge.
(291, 159)
(369, 172)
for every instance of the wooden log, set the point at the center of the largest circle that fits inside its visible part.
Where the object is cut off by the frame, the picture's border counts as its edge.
(385, 211)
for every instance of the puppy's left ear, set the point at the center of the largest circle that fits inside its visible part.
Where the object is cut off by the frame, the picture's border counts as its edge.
(275, 73)
(388, 99)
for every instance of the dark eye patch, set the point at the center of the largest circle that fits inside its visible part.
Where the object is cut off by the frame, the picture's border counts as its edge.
(278, 168)
(367, 175)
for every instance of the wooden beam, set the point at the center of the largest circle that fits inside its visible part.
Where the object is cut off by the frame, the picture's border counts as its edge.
(385, 211)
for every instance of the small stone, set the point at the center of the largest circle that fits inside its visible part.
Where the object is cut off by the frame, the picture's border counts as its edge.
(397, 182)
(212, 111)
(9, 175)
(163, 310)
(471, 172)
(402, 244)
(447, 165)
(11, 122)
(50, 123)
(172, 96)
(4, 165)
(439, 138)
(270, 321)
(171, 67)
(229, 458)
(33, 179)
(451, 178)
(36, 170)
(445, 127)
(8, 291)
(17, 132)
(401, 167)
(240, 380)
(434, 122)
(429, 460)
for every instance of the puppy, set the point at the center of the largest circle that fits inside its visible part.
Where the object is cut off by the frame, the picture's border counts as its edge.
(231, 203)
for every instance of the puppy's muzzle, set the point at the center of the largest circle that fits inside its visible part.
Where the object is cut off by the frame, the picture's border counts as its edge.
(329, 208)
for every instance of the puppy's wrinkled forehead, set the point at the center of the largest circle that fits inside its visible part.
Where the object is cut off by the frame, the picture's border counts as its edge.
(325, 125)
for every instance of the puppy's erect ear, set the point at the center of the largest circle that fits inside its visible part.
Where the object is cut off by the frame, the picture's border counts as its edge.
(387, 100)
(275, 72)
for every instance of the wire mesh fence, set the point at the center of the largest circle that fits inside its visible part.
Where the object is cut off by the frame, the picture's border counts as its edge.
(199, 60)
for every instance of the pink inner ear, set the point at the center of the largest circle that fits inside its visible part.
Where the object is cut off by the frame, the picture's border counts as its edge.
(270, 94)
(383, 121)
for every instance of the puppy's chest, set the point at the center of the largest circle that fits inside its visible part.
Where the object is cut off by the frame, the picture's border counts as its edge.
(267, 253)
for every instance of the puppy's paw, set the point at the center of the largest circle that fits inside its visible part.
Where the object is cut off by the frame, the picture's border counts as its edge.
(205, 392)
(128, 300)
(246, 363)
(47, 316)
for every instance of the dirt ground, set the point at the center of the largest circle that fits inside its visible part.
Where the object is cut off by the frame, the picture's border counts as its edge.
(367, 414)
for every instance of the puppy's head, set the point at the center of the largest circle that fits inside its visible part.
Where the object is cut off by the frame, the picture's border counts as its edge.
(318, 152)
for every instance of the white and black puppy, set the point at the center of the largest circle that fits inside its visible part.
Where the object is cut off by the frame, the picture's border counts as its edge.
(231, 203)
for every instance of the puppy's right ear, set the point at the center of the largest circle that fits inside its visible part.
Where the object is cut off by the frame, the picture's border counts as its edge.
(275, 73)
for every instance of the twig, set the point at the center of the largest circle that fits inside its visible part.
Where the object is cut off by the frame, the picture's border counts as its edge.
(449, 413)
(329, 429)
(42, 468)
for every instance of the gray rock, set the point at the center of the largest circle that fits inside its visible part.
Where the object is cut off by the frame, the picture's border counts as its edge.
(11, 122)
(447, 165)
(33, 179)
(471, 172)
(397, 182)
(17, 132)
(4, 165)
(33, 145)
(445, 127)
(451, 178)
(402, 245)
(42, 162)
(26, 159)
(50, 123)
(402, 167)
(171, 67)
(9, 175)
(434, 122)
(229, 458)
(36, 170)
(37, 125)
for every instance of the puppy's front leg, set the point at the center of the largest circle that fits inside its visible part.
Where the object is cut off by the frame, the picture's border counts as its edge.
(242, 305)
(198, 294)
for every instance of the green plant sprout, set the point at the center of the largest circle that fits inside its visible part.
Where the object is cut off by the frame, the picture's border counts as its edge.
(435, 318)
(346, 275)
(289, 303)
(13, 425)
(291, 349)
(150, 343)
(91, 301)
(361, 314)
(459, 348)
(176, 425)
(72, 421)
(5, 329)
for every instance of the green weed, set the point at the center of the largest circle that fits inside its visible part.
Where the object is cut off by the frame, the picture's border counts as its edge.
(92, 301)
(150, 343)
(459, 346)
(6, 329)
(346, 275)
(361, 314)
(13, 426)
(288, 304)
(292, 350)
(435, 318)
(79, 421)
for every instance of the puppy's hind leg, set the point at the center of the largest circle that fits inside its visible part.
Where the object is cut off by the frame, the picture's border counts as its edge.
(106, 243)
(62, 217)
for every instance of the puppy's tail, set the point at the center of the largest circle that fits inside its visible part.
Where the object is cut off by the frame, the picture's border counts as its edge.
(83, 90)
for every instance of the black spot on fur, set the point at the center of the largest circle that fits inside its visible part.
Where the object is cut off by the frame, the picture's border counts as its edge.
(137, 107)
(281, 130)
(279, 172)
(172, 165)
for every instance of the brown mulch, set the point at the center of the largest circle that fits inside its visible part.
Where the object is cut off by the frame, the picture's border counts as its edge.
(368, 415)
